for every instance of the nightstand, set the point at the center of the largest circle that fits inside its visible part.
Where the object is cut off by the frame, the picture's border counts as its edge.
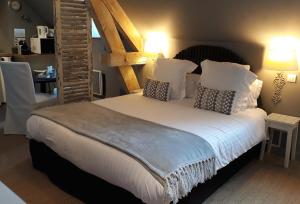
(285, 123)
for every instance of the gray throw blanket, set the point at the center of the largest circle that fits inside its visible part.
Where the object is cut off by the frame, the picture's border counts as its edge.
(178, 160)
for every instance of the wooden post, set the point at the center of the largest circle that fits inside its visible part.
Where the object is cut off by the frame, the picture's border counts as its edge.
(58, 55)
(73, 50)
(73, 45)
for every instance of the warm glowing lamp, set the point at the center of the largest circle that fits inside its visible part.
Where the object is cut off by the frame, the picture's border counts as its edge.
(281, 59)
(156, 42)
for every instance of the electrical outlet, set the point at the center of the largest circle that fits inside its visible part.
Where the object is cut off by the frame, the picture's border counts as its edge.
(292, 78)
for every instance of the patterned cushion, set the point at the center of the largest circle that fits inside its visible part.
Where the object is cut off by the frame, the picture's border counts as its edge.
(151, 88)
(214, 100)
(156, 89)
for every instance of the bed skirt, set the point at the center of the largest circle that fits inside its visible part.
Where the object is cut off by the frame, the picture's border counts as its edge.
(91, 189)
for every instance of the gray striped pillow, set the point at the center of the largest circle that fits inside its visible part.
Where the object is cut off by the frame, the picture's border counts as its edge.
(156, 89)
(214, 100)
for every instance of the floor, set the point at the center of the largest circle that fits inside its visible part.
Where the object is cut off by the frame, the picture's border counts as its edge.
(259, 182)
(17, 173)
(262, 182)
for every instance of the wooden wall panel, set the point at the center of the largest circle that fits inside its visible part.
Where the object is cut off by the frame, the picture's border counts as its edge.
(73, 50)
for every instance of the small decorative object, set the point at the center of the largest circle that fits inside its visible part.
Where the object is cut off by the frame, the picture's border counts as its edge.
(51, 72)
(279, 82)
(281, 59)
(15, 5)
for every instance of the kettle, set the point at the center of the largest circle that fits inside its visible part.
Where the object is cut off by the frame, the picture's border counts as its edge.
(42, 31)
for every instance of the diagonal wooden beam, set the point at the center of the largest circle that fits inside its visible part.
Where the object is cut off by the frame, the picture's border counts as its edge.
(129, 78)
(125, 23)
(105, 21)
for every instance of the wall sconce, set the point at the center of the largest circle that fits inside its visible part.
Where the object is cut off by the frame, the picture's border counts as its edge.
(280, 59)
(156, 42)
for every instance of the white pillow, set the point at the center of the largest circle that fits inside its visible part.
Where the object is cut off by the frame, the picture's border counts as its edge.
(174, 71)
(255, 90)
(228, 76)
(191, 84)
(192, 81)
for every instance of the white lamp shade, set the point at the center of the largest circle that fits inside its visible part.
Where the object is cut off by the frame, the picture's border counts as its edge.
(156, 42)
(281, 59)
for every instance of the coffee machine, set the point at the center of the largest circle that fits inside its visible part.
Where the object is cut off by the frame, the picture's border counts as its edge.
(42, 44)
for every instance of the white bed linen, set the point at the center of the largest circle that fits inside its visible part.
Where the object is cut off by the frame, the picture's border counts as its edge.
(230, 136)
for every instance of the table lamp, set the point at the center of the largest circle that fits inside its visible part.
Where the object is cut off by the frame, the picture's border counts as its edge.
(280, 59)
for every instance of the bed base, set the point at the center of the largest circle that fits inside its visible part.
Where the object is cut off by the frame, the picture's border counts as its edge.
(91, 189)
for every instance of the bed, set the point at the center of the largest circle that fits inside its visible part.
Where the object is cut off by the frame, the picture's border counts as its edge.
(92, 171)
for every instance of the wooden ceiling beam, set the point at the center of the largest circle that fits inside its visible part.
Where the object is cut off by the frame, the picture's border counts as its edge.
(128, 58)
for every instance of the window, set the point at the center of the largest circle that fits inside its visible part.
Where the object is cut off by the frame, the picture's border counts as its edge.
(95, 33)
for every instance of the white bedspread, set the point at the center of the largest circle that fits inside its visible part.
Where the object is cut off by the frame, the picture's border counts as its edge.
(230, 136)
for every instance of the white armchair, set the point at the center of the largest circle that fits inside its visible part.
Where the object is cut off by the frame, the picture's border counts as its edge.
(2, 89)
(21, 98)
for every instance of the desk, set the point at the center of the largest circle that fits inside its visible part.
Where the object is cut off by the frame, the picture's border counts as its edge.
(43, 81)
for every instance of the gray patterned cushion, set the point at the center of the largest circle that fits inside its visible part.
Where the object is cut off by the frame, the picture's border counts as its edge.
(214, 100)
(151, 88)
(156, 89)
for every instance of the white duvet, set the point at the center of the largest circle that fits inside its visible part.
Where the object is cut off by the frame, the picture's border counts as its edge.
(230, 137)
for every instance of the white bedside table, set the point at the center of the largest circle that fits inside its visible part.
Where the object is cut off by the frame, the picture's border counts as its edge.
(285, 123)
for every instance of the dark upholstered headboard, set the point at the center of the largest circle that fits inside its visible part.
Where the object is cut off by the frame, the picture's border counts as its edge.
(199, 53)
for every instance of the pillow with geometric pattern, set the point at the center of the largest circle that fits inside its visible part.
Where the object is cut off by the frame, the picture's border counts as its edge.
(157, 89)
(214, 100)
